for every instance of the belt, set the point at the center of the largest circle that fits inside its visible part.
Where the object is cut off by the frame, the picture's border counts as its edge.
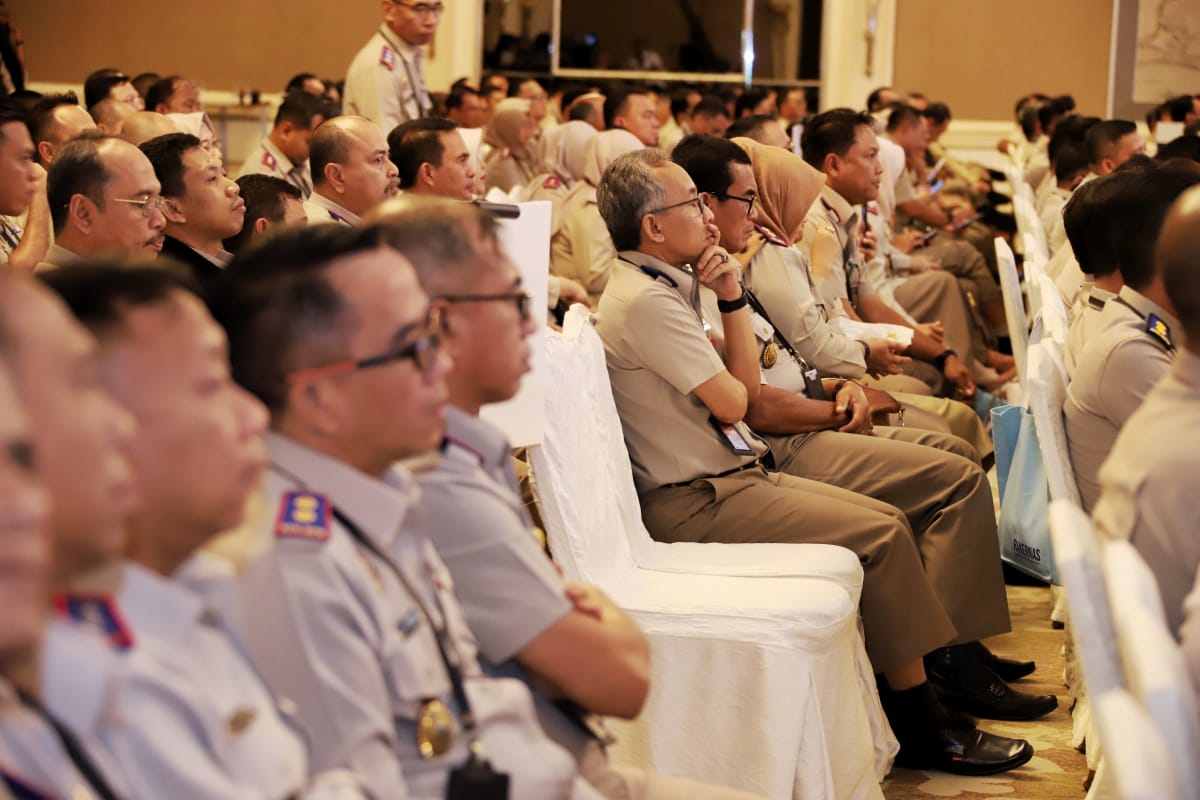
(766, 461)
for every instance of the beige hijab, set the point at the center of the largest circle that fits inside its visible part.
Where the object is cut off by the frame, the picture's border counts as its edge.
(504, 128)
(787, 187)
(601, 150)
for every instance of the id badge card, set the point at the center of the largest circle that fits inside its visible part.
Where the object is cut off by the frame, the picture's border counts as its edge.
(732, 437)
(813, 386)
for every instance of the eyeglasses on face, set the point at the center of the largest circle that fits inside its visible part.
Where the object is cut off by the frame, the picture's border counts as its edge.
(749, 201)
(422, 351)
(522, 299)
(691, 201)
(148, 205)
(424, 9)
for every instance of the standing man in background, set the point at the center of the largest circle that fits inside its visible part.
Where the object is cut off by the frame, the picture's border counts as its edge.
(386, 80)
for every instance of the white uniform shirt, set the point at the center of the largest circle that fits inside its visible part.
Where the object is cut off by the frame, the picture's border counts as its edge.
(267, 159)
(322, 211)
(386, 82)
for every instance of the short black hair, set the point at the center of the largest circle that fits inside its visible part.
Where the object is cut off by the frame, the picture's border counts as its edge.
(1070, 162)
(710, 106)
(77, 169)
(11, 111)
(1135, 232)
(616, 102)
(937, 113)
(1102, 136)
(748, 126)
(1029, 120)
(1179, 107)
(42, 113)
(582, 112)
(902, 114)
(160, 91)
(417, 142)
(832, 131)
(143, 81)
(279, 308)
(1183, 147)
(707, 159)
(1088, 218)
(99, 292)
(875, 98)
(1070, 130)
(455, 98)
(99, 84)
(300, 108)
(166, 156)
(747, 100)
(296, 84)
(263, 195)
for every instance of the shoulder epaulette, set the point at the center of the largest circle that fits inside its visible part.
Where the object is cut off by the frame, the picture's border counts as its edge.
(1159, 331)
(96, 611)
(304, 515)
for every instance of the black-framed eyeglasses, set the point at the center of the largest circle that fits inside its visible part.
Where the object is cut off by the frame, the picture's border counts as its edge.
(422, 351)
(522, 299)
(148, 205)
(424, 9)
(691, 201)
(749, 201)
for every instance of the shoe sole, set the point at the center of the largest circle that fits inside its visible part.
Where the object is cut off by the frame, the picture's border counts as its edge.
(969, 705)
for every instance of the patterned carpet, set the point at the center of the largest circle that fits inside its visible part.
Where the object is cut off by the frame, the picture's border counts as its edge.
(1056, 771)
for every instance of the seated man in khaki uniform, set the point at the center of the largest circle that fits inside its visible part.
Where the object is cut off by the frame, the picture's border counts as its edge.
(703, 475)
(1135, 337)
(1148, 484)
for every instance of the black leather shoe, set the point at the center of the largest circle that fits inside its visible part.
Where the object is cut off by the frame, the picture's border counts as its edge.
(958, 747)
(965, 684)
(1007, 668)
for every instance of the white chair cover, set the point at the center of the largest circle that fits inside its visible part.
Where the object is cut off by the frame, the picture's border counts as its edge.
(759, 675)
(1014, 305)
(1154, 669)
(1137, 758)
(1054, 313)
(1047, 392)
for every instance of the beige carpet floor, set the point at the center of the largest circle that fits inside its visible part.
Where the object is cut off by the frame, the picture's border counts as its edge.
(1057, 771)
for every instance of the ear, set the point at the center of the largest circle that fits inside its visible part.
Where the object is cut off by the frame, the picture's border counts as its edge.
(425, 174)
(81, 211)
(45, 152)
(173, 212)
(831, 166)
(335, 176)
(314, 405)
(651, 232)
(260, 225)
(708, 199)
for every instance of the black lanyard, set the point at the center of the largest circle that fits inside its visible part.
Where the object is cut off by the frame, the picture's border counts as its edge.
(417, 89)
(74, 749)
(813, 385)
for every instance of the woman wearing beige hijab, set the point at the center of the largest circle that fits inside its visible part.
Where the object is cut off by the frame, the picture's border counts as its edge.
(509, 132)
(566, 146)
(782, 281)
(581, 247)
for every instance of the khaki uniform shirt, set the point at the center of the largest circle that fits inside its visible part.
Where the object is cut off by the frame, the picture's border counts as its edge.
(1051, 211)
(330, 625)
(583, 250)
(323, 211)
(1148, 485)
(1084, 327)
(386, 81)
(779, 276)
(57, 256)
(1115, 371)
(657, 346)
(837, 270)
(267, 159)
(1189, 633)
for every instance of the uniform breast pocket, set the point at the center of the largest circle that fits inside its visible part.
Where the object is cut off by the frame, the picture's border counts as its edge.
(414, 668)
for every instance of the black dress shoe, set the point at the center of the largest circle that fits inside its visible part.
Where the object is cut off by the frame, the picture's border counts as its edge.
(958, 747)
(963, 683)
(1007, 668)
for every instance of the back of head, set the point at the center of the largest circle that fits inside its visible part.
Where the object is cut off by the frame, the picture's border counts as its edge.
(1029, 120)
(279, 309)
(747, 101)
(1088, 218)
(97, 85)
(77, 169)
(902, 115)
(1135, 233)
(330, 144)
(878, 99)
(1070, 130)
(143, 126)
(455, 99)
(937, 113)
(160, 92)
(832, 131)
(299, 108)
(264, 197)
(417, 142)
(166, 156)
(749, 127)
(627, 193)
(707, 160)
(616, 102)
(101, 292)
(1179, 108)
(438, 236)
(41, 117)
(1183, 147)
(1176, 255)
(1103, 138)
(296, 84)
(709, 106)
(1070, 163)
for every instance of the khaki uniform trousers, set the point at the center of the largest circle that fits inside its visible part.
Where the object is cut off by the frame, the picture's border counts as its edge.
(936, 296)
(919, 518)
(629, 783)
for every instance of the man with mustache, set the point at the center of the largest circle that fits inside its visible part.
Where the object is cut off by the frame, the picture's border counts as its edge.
(351, 171)
(104, 200)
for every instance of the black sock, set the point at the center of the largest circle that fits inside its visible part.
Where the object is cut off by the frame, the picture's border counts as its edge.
(915, 714)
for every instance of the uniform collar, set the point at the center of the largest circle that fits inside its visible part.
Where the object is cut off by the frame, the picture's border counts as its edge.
(60, 256)
(78, 698)
(408, 51)
(657, 269)
(282, 162)
(378, 506)
(1146, 307)
(478, 438)
(840, 212)
(155, 606)
(334, 211)
(1098, 298)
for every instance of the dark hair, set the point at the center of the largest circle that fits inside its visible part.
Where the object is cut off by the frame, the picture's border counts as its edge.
(1029, 120)
(1070, 162)
(710, 106)
(417, 142)
(278, 307)
(707, 159)
(748, 126)
(431, 235)
(616, 102)
(300, 108)
(100, 83)
(1183, 147)
(296, 84)
(582, 112)
(1071, 130)
(160, 91)
(166, 156)
(455, 98)
(832, 131)
(330, 144)
(11, 111)
(902, 114)
(1104, 135)
(875, 98)
(747, 100)
(42, 113)
(77, 169)
(100, 292)
(1180, 108)
(264, 195)
(1135, 232)
(143, 82)
(937, 113)
(1088, 218)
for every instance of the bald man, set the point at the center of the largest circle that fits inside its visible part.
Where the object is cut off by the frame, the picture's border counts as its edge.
(1147, 485)
(146, 125)
(110, 115)
(351, 171)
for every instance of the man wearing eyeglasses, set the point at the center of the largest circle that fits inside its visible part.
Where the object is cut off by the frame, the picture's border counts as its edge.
(121, 214)
(386, 80)
(349, 611)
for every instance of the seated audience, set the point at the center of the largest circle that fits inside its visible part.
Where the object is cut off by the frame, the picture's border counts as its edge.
(110, 115)
(793, 106)
(23, 244)
(351, 171)
(106, 84)
(142, 82)
(589, 108)
(105, 200)
(466, 108)
(201, 205)
(755, 103)
(763, 128)
(173, 95)
(632, 110)
(709, 115)
(284, 151)
(566, 150)
(432, 158)
(270, 202)
(509, 133)
(306, 82)
(55, 120)
(142, 126)
(535, 93)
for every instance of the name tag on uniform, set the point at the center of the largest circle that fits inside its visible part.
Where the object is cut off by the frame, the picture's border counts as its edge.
(732, 437)
(813, 386)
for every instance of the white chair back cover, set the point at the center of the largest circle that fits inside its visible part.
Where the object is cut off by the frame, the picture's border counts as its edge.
(1047, 392)
(1014, 304)
(1054, 312)
(1136, 757)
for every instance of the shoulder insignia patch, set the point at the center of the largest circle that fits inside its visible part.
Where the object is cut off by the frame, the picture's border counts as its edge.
(770, 236)
(1160, 331)
(96, 611)
(268, 160)
(303, 515)
(387, 57)
(832, 211)
(552, 182)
